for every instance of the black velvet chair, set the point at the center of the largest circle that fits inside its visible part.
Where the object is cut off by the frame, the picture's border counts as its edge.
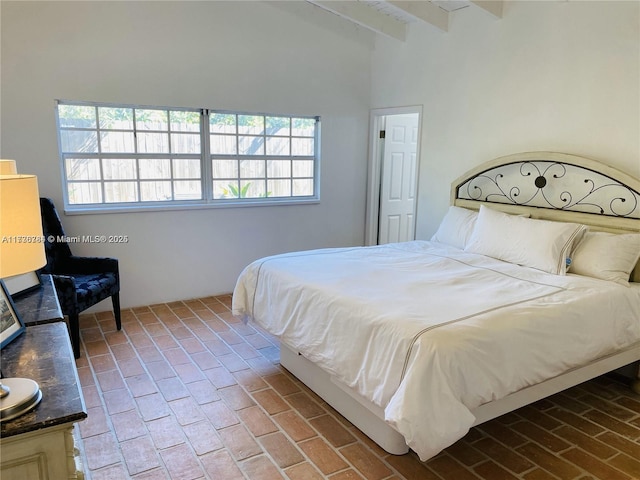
(80, 281)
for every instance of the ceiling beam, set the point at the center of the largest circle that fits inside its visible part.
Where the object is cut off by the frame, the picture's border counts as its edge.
(494, 7)
(425, 11)
(365, 16)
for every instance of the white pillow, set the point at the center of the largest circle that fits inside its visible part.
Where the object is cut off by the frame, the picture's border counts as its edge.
(606, 256)
(456, 227)
(539, 244)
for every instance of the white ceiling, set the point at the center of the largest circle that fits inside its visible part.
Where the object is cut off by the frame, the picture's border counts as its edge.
(391, 17)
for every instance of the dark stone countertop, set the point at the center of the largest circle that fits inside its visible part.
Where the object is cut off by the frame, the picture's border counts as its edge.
(43, 353)
(39, 305)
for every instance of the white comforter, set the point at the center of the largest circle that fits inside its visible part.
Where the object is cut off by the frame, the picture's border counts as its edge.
(428, 332)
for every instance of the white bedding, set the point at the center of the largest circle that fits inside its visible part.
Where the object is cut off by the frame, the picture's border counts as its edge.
(429, 332)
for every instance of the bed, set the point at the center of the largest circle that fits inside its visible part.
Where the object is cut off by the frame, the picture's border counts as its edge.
(530, 285)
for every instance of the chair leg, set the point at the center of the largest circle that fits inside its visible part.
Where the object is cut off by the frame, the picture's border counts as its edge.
(74, 330)
(115, 299)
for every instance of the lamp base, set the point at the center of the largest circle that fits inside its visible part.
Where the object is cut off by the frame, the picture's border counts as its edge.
(23, 395)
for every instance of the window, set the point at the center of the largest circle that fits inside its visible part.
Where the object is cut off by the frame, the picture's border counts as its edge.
(129, 156)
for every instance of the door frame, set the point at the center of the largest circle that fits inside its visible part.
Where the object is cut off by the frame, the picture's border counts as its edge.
(374, 175)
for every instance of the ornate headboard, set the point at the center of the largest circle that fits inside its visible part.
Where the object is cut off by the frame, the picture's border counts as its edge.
(555, 186)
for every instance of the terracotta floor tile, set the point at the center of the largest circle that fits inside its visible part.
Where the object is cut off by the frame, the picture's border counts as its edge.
(91, 396)
(257, 341)
(304, 405)
(219, 414)
(233, 362)
(128, 425)
(589, 444)
(152, 407)
(295, 426)
(593, 465)
(629, 465)
(101, 450)
(448, 467)
(165, 432)
(96, 348)
(220, 377)
(625, 445)
(123, 352)
(609, 407)
(332, 430)
(176, 356)
(186, 411)
(557, 466)
(189, 372)
(465, 453)
(270, 401)
(220, 465)
(95, 423)
(149, 353)
(141, 385)
(172, 389)
(541, 436)
(370, 466)
(263, 366)
(140, 455)
(182, 463)
(503, 455)
(161, 369)
(156, 330)
(103, 363)
(250, 380)
(111, 380)
(130, 367)
(576, 421)
(503, 434)
(256, 421)
(322, 455)
(202, 437)
(245, 351)
(260, 468)
(303, 471)
(115, 472)
(205, 360)
(613, 424)
(239, 442)
(283, 452)
(492, 471)
(203, 391)
(347, 475)
(282, 383)
(166, 342)
(192, 345)
(183, 403)
(118, 401)
(235, 397)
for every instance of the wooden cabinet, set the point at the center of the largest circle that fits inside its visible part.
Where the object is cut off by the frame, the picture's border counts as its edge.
(39, 445)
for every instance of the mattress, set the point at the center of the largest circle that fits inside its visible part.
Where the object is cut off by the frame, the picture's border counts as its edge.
(428, 332)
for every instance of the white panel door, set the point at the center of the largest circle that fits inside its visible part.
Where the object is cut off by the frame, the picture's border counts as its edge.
(398, 181)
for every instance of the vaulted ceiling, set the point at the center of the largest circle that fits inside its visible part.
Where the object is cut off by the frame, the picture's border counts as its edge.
(392, 17)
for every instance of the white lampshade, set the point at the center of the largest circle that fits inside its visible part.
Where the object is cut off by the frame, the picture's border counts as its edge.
(8, 167)
(21, 245)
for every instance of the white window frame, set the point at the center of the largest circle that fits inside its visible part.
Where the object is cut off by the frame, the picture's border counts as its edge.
(205, 157)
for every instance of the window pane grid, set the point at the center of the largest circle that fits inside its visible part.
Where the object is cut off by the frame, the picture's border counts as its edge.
(127, 154)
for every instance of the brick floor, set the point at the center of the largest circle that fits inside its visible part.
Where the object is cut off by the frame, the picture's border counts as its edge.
(186, 391)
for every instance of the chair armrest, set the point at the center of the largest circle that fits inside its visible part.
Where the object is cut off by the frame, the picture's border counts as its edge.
(88, 265)
(63, 282)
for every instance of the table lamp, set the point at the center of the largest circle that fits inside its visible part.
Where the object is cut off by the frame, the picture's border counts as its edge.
(21, 251)
(8, 167)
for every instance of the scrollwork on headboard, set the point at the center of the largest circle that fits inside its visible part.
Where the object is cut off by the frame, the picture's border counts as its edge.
(552, 181)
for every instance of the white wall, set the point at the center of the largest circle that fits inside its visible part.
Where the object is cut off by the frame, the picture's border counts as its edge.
(561, 76)
(249, 56)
